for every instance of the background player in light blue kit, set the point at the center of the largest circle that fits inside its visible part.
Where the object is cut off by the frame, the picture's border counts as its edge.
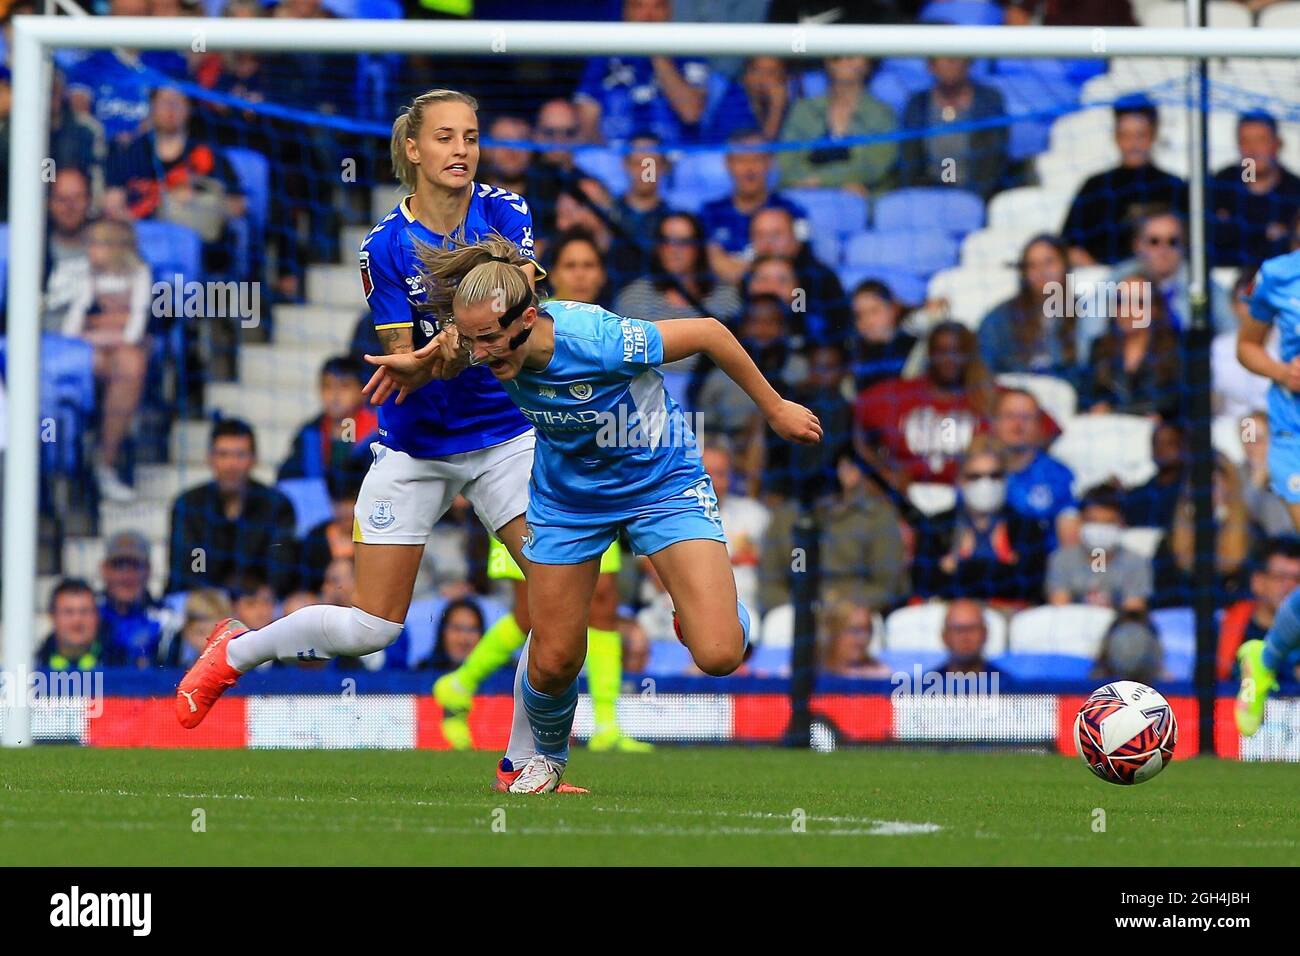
(1274, 298)
(614, 451)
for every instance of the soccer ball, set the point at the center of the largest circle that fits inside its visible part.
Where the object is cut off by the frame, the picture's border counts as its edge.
(1125, 732)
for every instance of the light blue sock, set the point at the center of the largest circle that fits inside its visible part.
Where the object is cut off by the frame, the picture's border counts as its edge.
(551, 719)
(743, 614)
(1284, 636)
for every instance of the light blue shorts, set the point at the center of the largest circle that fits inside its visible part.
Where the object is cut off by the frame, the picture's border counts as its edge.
(556, 536)
(1284, 466)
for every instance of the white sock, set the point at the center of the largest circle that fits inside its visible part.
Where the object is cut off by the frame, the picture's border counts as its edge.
(313, 633)
(519, 750)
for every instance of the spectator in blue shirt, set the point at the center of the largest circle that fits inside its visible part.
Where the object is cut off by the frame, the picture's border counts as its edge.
(112, 88)
(1038, 486)
(619, 96)
(726, 221)
(758, 100)
(133, 621)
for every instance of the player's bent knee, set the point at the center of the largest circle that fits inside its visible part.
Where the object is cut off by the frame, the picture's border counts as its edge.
(721, 658)
(366, 633)
(553, 661)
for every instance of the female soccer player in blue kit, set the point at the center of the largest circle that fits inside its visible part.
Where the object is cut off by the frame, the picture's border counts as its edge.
(614, 453)
(448, 438)
(1274, 296)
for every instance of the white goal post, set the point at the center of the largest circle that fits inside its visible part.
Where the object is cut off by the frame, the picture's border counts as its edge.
(35, 37)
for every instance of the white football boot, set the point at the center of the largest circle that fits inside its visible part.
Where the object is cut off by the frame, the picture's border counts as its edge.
(540, 775)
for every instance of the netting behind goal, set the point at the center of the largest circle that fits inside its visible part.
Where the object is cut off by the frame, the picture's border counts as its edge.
(950, 281)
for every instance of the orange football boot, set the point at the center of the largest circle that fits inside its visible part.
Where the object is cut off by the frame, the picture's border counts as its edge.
(506, 777)
(210, 676)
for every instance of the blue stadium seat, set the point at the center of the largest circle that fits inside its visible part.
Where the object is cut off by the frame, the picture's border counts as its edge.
(311, 502)
(700, 175)
(954, 211)
(1044, 666)
(254, 172)
(770, 662)
(668, 658)
(965, 13)
(4, 264)
(905, 661)
(605, 165)
(1029, 93)
(836, 211)
(894, 89)
(421, 629)
(827, 247)
(1176, 627)
(170, 249)
(920, 252)
(908, 289)
(66, 397)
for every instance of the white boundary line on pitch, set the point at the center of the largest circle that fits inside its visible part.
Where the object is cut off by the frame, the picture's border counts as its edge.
(863, 826)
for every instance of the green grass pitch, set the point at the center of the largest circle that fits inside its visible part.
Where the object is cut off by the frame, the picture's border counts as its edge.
(72, 806)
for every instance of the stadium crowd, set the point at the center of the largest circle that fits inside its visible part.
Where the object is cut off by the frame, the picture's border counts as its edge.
(938, 478)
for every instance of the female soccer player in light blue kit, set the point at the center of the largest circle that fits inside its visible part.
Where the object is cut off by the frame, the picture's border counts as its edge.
(1274, 297)
(614, 452)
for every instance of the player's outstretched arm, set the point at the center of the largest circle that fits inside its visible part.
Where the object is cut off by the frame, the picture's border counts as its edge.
(405, 369)
(686, 337)
(1253, 355)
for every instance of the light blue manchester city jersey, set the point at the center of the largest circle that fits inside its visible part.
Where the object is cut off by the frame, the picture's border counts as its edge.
(1275, 298)
(609, 434)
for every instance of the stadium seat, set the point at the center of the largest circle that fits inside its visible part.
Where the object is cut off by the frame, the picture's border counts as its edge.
(702, 175)
(668, 658)
(1099, 447)
(1220, 15)
(311, 502)
(777, 628)
(964, 13)
(907, 288)
(997, 248)
(971, 293)
(1066, 170)
(837, 211)
(1225, 435)
(1075, 630)
(932, 498)
(827, 247)
(1045, 667)
(1029, 210)
(66, 397)
(171, 249)
(769, 662)
(921, 252)
(919, 627)
(605, 165)
(254, 174)
(954, 211)
(1056, 396)
(1033, 101)
(1176, 628)
(422, 627)
(1142, 541)
(902, 662)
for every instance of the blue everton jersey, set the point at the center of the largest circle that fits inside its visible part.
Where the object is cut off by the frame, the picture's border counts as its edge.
(608, 432)
(468, 412)
(1275, 298)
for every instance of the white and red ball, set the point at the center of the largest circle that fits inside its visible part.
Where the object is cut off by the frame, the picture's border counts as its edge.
(1125, 732)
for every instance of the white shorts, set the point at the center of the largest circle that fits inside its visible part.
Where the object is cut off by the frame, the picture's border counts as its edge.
(402, 498)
